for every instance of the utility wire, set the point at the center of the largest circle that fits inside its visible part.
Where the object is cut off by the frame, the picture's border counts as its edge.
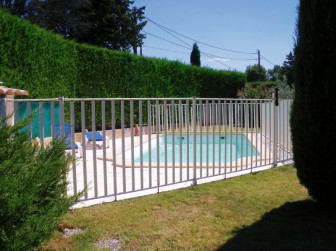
(207, 55)
(166, 30)
(189, 46)
(239, 59)
(163, 27)
(267, 60)
(166, 40)
(187, 53)
(152, 47)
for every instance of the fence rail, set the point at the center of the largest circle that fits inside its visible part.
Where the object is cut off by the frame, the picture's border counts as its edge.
(151, 145)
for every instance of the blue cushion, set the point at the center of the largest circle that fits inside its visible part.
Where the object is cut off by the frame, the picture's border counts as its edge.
(99, 136)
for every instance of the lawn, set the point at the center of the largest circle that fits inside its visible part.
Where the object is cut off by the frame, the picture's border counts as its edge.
(269, 210)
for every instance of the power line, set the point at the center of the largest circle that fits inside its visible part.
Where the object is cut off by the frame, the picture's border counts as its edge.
(213, 57)
(166, 40)
(238, 59)
(205, 54)
(216, 56)
(195, 40)
(152, 47)
(267, 60)
(167, 30)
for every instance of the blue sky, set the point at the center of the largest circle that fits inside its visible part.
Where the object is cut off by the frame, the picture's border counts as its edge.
(239, 25)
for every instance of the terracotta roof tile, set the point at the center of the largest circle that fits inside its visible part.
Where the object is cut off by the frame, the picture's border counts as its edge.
(11, 91)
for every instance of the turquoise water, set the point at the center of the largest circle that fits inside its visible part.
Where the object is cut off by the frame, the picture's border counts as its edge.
(35, 126)
(214, 149)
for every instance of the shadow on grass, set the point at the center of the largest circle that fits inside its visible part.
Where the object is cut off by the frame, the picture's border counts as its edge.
(293, 226)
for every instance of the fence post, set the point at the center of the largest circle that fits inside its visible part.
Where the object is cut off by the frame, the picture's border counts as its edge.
(275, 98)
(61, 114)
(7, 109)
(194, 140)
(2, 106)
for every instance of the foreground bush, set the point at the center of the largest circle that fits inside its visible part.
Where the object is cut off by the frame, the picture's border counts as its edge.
(32, 188)
(313, 120)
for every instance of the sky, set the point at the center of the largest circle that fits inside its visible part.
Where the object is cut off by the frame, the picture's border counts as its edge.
(243, 26)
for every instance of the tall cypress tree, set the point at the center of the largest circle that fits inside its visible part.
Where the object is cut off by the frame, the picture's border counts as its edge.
(195, 56)
(313, 119)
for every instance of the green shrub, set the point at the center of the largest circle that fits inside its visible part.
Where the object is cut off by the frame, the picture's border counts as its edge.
(32, 188)
(313, 120)
(268, 83)
(260, 91)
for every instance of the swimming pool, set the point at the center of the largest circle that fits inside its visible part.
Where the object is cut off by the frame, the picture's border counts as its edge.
(210, 149)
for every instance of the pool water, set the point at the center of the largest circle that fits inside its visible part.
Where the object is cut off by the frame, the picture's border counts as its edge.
(218, 149)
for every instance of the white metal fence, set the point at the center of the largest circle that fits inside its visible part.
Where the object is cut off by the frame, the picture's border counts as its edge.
(152, 145)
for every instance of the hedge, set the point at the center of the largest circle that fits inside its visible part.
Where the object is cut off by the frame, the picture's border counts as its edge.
(36, 60)
(47, 65)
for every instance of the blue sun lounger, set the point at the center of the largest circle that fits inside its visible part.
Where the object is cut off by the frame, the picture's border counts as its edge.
(98, 137)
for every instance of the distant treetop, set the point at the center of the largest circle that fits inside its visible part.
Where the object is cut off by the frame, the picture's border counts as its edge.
(114, 24)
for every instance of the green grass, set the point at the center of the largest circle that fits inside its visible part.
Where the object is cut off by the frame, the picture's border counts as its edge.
(264, 211)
